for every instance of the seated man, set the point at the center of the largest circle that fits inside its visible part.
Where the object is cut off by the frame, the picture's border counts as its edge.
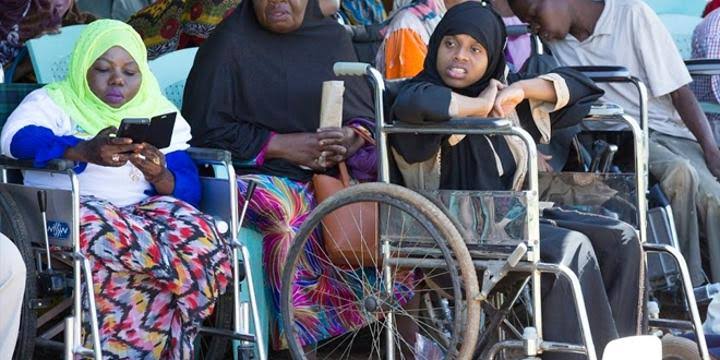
(12, 288)
(683, 153)
(706, 45)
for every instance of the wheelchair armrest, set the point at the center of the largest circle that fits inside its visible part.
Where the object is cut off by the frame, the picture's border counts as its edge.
(703, 66)
(605, 73)
(207, 155)
(56, 165)
(453, 126)
(517, 30)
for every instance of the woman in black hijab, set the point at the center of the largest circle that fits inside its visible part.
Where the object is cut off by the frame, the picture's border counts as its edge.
(463, 76)
(255, 90)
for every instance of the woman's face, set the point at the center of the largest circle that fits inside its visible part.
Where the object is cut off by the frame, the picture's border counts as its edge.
(280, 16)
(114, 77)
(461, 61)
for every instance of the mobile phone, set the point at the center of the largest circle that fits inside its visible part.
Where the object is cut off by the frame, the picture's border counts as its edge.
(160, 132)
(134, 128)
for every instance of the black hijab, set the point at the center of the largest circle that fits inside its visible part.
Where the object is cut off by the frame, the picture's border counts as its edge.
(482, 23)
(248, 81)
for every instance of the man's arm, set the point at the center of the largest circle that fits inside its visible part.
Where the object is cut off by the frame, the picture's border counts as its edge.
(693, 116)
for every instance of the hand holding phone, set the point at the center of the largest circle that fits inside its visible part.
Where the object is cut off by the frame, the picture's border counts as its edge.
(156, 131)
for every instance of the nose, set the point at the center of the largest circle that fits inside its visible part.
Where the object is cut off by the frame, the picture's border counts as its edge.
(116, 79)
(461, 54)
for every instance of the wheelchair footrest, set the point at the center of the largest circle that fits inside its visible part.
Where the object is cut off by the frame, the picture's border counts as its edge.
(227, 333)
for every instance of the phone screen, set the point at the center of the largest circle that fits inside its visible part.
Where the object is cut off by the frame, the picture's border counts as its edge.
(135, 129)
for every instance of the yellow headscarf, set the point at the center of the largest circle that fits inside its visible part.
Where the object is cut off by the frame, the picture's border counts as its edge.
(73, 94)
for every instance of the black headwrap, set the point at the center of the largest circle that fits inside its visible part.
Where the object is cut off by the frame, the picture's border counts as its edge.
(482, 23)
(248, 81)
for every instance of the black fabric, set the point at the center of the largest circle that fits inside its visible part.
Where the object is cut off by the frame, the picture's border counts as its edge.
(485, 26)
(615, 250)
(247, 82)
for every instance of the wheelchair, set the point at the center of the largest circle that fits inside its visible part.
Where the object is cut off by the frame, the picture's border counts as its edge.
(45, 225)
(422, 251)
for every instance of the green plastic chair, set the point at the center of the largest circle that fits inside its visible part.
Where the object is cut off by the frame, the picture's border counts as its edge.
(681, 28)
(50, 54)
(684, 7)
(171, 71)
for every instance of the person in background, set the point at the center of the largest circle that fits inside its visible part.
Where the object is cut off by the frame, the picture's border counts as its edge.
(12, 289)
(23, 20)
(403, 50)
(113, 9)
(169, 25)
(706, 45)
(683, 153)
(518, 47)
(710, 7)
(362, 12)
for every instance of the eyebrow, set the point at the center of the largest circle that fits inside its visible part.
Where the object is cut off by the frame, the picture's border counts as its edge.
(131, 62)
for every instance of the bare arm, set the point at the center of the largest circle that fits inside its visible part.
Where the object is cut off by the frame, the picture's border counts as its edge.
(689, 109)
(464, 106)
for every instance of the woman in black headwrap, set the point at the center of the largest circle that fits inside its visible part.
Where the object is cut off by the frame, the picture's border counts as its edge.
(464, 76)
(255, 90)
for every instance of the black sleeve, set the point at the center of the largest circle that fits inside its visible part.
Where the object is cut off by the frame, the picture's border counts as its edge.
(421, 102)
(209, 104)
(583, 93)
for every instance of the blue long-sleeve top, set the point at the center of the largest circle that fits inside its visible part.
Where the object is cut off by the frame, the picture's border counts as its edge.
(41, 145)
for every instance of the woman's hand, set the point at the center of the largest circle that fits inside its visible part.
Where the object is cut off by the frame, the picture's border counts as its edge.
(544, 162)
(151, 162)
(487, 97)
(507, 99)
(349, 140)
(103, 149)
(305, 149)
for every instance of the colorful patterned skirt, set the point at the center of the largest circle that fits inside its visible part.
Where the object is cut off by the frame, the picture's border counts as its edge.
(158, 267)
(278, 208)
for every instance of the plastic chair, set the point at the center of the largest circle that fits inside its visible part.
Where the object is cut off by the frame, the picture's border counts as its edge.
(681, 28)
(686, 7)
(171, 71)
(50, 54)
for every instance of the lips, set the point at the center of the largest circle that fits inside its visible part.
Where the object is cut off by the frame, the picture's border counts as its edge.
(278, 12)
(456, 72)
(114, 97)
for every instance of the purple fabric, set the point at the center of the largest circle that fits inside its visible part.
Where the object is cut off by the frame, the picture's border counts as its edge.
(363, 164)
(518, 48)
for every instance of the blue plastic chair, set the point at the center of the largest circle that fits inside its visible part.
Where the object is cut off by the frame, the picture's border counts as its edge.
(50, 54)
(681, 28)
(171, 71)
(684, 7)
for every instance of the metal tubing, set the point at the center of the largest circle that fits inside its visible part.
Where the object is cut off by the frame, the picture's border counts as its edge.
(69, 345)
(380, 136)
(97, 350)
(390, 319)
(259, 338)
(77, 265)
(689, 294)
(641, 174)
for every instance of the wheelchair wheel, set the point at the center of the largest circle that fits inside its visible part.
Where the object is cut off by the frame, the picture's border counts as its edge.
(418, 245)
(209, 347)
(14, 227)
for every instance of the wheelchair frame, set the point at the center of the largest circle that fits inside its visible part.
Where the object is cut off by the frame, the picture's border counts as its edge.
(228, 212)
(495, 269)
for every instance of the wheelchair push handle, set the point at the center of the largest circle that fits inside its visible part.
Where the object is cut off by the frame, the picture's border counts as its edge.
(350, 68)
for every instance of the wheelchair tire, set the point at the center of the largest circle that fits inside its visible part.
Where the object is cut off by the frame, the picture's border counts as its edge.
(210, 347)
(679, 348)
(13, 225)
(450, 254)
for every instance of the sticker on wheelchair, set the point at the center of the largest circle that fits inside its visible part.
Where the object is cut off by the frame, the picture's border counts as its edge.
(603, 109)
(58, 230)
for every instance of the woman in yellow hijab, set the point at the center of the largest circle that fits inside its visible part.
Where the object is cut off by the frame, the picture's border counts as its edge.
(158, 263)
